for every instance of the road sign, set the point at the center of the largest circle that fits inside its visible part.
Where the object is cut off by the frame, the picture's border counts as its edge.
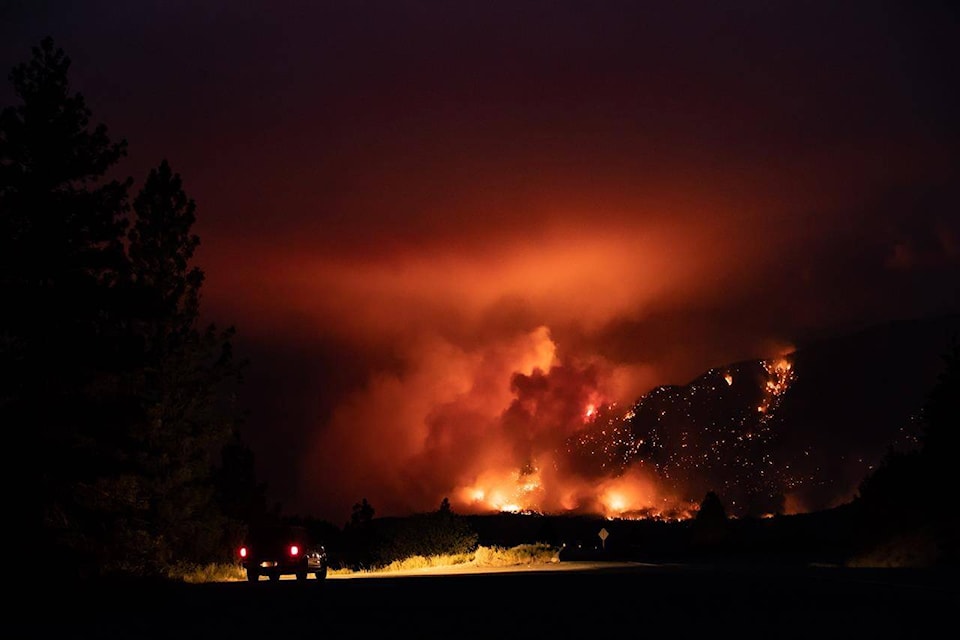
(603, 537)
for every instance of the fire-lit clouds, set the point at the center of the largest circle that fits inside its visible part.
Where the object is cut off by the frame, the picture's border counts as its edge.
(445, 230)
(578, 275)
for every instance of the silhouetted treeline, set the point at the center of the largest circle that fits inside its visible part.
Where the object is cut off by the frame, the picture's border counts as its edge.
(366, 542)
(908, 505)
(118, 402)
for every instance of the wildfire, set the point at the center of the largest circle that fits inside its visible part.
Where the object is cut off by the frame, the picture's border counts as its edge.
(633, 495)
(780, 377)
(652, 461)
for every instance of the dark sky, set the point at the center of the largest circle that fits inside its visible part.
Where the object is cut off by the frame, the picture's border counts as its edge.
(404, 204)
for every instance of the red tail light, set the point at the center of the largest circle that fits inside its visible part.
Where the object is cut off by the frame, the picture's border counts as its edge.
(294, 550)
(243, 552)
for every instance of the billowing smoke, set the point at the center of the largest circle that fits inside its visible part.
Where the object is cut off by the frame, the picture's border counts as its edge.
(489, 429)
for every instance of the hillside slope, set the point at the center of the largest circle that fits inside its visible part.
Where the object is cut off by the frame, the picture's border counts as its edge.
(788, 435)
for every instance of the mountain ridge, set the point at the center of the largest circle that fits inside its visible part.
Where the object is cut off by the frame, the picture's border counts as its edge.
(792, 434)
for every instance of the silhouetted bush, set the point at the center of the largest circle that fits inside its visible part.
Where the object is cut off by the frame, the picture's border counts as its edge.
(709, 529)
(379, 542)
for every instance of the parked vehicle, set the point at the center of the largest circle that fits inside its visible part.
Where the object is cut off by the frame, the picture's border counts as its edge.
(276, 550)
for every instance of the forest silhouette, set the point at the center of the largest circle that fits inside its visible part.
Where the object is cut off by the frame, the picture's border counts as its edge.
(120, 401)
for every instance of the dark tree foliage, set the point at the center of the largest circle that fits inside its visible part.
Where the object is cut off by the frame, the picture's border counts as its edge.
(359, 537)
(711, 509)
(913, 491)
(185, 377)
(61, 232)
(361, 514)
(941, 418)
(436, 533)
(941, 413)
(369, 543)
(895, 491)
(710, 525)
(115, 397)
(241, 495)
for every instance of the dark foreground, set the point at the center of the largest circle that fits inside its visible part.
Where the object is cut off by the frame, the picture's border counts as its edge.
(612, 602)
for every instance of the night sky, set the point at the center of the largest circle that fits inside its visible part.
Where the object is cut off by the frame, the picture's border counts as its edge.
(404, 205)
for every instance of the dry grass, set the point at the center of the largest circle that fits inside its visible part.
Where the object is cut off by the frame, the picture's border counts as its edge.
(208, 573)
(519, 555)
(483, 557)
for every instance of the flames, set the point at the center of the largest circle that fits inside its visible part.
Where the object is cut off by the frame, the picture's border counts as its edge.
(589, 412)
(780, 377)
(632, 496)
(504, 491)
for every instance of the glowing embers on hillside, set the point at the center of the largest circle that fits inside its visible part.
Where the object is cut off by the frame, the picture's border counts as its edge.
(780, 376)
(605, 445)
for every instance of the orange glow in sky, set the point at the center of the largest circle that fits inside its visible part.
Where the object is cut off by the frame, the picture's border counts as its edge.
(451, 239)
